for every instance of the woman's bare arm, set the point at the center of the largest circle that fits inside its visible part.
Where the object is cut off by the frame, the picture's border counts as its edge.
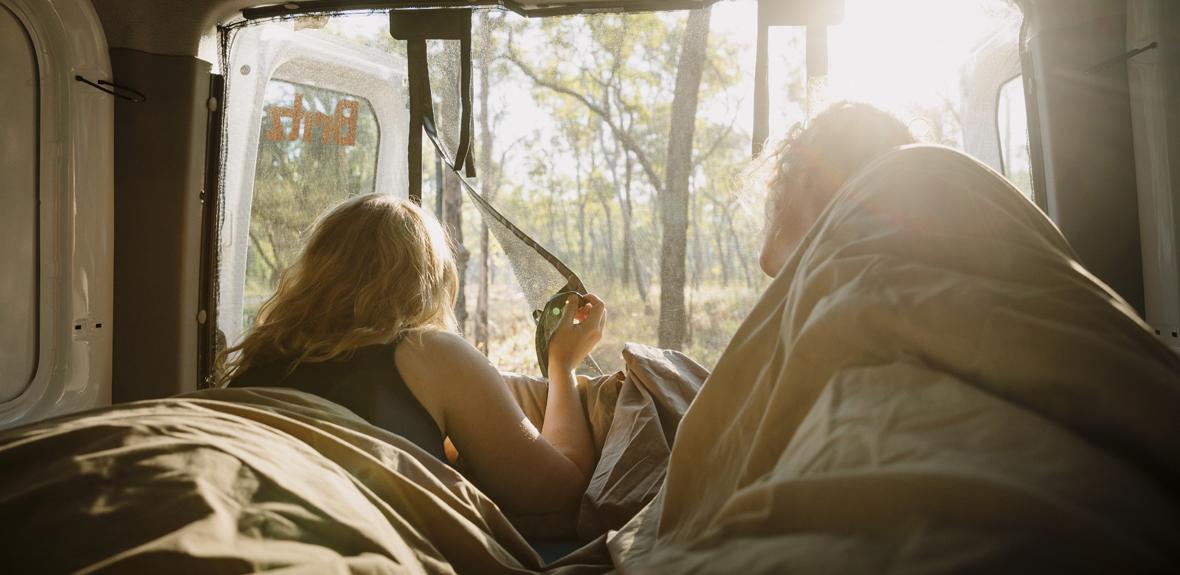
(506, 455)
(565, 426)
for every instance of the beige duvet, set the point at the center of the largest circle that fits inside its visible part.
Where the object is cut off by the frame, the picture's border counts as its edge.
(239, 480)
(933, 384)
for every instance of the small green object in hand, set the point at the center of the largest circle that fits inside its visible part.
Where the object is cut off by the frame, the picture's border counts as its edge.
(548, 319)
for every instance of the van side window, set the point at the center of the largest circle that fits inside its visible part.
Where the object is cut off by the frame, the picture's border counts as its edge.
(19, 149)
(1012, 122)
(316, 147)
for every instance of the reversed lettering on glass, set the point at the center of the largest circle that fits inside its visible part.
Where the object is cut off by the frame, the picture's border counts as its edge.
(338, 128)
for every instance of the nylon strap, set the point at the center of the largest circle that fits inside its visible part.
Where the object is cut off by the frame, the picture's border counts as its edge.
(573, 282)
(463, 156)
(462, 165)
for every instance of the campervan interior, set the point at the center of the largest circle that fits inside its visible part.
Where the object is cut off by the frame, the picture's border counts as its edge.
(162, 162)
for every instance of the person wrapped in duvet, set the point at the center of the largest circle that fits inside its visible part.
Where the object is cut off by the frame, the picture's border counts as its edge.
(932, 383)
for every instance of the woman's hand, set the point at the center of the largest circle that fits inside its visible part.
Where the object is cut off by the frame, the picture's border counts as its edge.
(572, 342)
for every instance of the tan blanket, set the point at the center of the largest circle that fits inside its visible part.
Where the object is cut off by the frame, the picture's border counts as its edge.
(933, 384)
(633, 420)
(238, 480)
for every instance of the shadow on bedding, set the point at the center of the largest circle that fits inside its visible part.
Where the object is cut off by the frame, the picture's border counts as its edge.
(239, 480)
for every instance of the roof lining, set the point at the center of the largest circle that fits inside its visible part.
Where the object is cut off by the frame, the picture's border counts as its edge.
(558, 8)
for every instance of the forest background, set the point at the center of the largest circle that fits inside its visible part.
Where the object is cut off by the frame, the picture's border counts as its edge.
(620, 142)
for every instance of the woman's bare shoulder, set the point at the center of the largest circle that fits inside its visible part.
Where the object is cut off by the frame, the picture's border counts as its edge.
(434, 345)
(441, 368)
(442, 357)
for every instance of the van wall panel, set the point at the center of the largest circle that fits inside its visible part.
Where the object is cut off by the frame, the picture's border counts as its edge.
(159, 168)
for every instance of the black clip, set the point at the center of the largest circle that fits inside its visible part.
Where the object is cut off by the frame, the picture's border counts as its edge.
(116, 90)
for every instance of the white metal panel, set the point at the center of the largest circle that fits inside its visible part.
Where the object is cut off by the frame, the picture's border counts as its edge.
(74, 214)
(1154, 77)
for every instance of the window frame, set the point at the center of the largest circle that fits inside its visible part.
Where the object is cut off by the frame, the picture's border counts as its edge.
(1027, 132)
(32, 313)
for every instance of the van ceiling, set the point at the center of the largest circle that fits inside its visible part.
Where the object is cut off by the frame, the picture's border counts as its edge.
(523, 7)
(175, 27)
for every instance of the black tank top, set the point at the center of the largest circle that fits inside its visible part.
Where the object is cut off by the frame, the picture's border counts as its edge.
(368, 383)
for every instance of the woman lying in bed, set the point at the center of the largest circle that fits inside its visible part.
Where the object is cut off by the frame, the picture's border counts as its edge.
(364, 318)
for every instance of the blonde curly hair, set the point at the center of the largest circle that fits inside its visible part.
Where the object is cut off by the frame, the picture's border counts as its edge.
(375, 269)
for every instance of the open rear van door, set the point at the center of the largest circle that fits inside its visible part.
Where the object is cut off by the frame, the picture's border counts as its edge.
(302, 105)
(56, 201)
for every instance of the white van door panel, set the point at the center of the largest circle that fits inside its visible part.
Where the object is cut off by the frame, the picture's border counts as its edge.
(56, 291)
(258, 56)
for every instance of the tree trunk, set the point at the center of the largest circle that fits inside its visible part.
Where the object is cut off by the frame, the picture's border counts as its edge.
(694, 226)
(719, 237)
(565, 225)
(674, 199)
(628, 227)
(737, 247)
(631, 267)
(486, 185)
(596, 192)
(610, 236)
(481, 297)
(453, 222)
(582, 193)
(552, 219)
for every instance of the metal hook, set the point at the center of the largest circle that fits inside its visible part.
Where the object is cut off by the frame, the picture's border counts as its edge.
(1103, 66)
(116, 90)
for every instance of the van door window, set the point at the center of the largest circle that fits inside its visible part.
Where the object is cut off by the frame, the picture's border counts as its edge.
(316, 147)
(18, 208)
(1012, 121)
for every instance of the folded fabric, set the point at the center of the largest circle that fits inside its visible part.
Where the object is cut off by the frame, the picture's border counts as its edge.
(633, 419)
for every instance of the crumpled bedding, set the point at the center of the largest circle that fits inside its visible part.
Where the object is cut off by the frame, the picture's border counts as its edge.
(633, 419)
(242, 480)
(933, 383)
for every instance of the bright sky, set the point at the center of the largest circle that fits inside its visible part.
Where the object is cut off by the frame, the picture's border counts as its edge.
(897, 54)
(900, 52)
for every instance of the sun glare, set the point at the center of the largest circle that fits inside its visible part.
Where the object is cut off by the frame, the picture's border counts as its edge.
(907, 55)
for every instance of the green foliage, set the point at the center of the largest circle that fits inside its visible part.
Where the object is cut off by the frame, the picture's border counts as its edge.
(607, 83)
(579, 111)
